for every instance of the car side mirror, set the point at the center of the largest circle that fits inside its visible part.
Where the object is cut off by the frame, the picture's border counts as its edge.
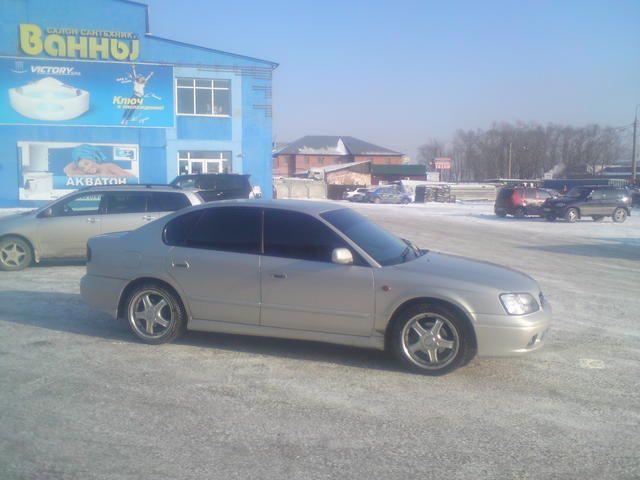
(46, 213)
(342, 256)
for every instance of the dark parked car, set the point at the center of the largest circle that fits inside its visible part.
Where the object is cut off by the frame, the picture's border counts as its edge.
(596, 202)
(388, 194)
(216, 186)
(521, 201)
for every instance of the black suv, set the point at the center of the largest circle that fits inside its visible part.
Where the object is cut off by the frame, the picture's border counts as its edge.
(215, 186)
(596, 202)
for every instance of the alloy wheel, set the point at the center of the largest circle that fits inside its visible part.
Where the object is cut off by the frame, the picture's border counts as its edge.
(13, 255)
(430, 341)
(150, 314)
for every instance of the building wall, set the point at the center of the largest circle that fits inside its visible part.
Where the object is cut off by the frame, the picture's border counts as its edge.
(288, 165)
(380, 159)
(247, 133)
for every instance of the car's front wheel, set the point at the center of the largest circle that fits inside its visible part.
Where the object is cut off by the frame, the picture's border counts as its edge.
(572, 215)
(15, 254)
(155, 314)
(430, 339)
(619, 215)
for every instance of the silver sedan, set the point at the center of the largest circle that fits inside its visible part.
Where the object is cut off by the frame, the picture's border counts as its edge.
(311, 271)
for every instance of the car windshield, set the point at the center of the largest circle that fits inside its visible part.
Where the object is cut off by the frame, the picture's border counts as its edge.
(578, 192)
(385, 248)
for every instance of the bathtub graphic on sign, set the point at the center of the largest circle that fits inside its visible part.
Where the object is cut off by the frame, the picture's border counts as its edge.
(49, 99)
(82, 93)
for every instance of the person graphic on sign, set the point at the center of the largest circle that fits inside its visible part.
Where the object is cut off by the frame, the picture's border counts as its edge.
(139, 82)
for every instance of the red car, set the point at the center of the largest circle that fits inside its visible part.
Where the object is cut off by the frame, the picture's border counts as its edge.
(521, 201)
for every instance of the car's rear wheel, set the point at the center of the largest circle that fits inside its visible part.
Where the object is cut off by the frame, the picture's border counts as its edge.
(550, 218)
(155, 314)
(597, 218)
(376, 200)
(519, 212)
(619, 215)
(430, 339)
(15, 254)
(501, 213)
(572, 215)
(406, 201)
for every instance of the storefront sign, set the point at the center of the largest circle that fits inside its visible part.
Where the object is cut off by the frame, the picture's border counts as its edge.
(79, 43)
(49, 170)
(51, 92)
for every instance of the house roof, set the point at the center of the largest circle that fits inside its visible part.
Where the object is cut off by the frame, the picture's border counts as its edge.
(334, 145)
(338, 166)
(401, 170)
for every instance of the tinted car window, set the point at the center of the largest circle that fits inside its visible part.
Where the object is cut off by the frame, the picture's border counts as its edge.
(167, 202)
(88, 204)
(232, 229)
(297, 235)
(598, 195)
(543, 194)
(126, 202)
(177, 230)
(505, 193)
(385, 248)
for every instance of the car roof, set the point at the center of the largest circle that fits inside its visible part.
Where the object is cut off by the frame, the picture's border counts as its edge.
(136, 188)
(312, 207)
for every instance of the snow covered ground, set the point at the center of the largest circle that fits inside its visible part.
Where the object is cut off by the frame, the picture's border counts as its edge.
(81, 398)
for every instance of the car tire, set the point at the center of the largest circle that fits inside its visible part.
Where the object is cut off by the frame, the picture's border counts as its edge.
(501, 214)
(15, 254)
(619, 215)
(446, 345)
(376, 201)
(550, 218)
(571, 215)
(519, 212)
(597, 218)
(151, 322)
(406, 201)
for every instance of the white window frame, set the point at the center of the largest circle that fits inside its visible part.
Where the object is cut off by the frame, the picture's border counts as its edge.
(212, 88)
(185, 155)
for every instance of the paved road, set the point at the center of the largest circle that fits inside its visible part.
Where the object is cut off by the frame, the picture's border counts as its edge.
(79, 398)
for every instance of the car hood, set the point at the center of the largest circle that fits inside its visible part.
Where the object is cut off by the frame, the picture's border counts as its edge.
(468, 274)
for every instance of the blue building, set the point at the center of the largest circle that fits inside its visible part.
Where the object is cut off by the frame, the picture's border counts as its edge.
(89, 97)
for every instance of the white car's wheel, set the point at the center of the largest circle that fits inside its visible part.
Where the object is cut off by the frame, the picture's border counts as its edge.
(431, 340)
(15, 254)
(155, 314)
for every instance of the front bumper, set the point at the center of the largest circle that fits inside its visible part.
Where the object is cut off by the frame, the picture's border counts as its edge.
(102, 293)
(508, 335)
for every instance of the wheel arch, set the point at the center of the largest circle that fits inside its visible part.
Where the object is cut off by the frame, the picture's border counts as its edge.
(34, 251)
(122, 301)
(459, 311)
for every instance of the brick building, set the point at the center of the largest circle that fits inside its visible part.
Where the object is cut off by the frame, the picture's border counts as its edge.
(313, 151)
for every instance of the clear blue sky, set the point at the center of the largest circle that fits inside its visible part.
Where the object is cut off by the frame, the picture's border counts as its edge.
(399, 72)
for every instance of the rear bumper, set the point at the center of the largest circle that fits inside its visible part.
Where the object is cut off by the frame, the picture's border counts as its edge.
(102, 293)
(508, 335)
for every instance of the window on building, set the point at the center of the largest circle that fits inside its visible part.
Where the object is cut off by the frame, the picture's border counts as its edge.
(196, 96)
(198, 161)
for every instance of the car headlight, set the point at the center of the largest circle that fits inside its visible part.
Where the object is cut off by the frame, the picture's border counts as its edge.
(519, 303)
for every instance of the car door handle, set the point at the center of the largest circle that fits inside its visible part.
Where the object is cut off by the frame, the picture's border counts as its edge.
(184, 264)
(91, 220)
(148, 218)
(281, 276)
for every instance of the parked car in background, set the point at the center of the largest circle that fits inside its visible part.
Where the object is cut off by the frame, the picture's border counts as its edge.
(312, 271)
(357, 195)
(61, 228)
(521, 201)
(596, 202)
(388, 194)
(216, 186)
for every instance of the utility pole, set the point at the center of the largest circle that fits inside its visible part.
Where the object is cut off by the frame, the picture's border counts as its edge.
(633, 150)
(510, 161)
